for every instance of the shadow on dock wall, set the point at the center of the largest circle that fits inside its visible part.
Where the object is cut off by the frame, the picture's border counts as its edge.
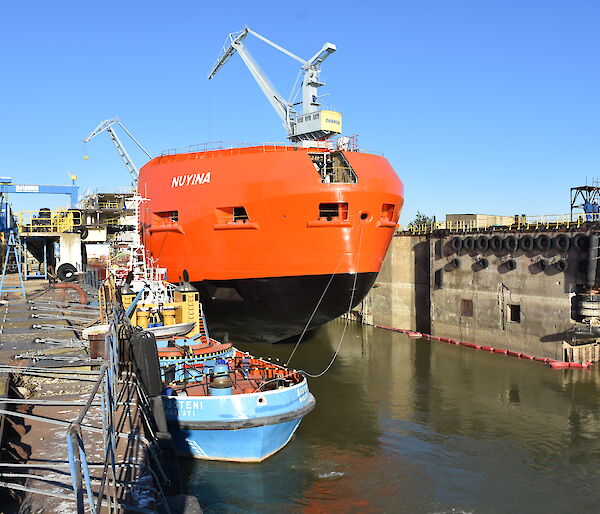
(422, 256)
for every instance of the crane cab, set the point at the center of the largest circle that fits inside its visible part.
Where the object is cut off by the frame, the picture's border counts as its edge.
(317, 125)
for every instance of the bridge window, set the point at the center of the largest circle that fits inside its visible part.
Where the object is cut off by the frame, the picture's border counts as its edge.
(387, 212)
(167, 216)
(333, 168)
(232, 214)
(333, 211)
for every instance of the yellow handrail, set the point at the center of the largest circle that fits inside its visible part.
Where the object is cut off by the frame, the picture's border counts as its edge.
(59, 220)
(545, 221)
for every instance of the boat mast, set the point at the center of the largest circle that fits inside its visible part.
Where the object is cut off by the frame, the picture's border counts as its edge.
(313, 123)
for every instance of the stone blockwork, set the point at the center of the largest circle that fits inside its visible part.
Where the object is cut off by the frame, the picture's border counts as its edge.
(427, 286)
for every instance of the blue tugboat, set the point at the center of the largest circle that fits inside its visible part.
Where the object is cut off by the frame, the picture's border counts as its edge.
(239, 408)
(220, 403)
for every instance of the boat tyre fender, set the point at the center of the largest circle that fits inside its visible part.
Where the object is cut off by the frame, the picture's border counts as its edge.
(482, 243)
(510, 243)
(144, 356)
(82, 231)
(561, 242)
(483, 263)
(543, 242)
(581, 242)
(456, 244)
(455, 263)
(469, 244)
(495, 243)
(511, 264)
(168, 459)
(526, 243)
(66, 272)
(542, 264)
(561, 265)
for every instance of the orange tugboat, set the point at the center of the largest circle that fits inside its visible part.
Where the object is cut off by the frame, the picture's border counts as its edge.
(278, 238)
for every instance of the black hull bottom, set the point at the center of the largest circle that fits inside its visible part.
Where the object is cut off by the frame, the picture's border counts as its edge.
(269, 310)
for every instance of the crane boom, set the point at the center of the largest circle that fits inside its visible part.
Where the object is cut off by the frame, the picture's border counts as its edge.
(107, 126)
(310, 124)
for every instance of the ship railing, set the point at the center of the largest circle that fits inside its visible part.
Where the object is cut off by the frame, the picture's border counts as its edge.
(519, 222)
(58, 220)
(234, 147)
(199, 147)
(108, 205)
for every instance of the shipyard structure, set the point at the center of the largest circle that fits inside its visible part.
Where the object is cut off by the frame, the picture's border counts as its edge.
(527, 285)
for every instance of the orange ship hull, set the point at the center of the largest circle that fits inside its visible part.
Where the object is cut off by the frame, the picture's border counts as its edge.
(265, 231)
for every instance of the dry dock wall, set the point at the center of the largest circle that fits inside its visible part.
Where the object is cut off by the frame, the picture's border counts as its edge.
(426, 286)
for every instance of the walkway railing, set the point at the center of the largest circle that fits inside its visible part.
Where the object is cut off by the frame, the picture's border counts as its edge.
(89, 490)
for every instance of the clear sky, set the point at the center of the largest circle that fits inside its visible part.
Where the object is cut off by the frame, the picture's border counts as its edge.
(480, 106)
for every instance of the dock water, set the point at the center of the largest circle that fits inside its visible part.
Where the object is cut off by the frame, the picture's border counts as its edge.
(417, 426)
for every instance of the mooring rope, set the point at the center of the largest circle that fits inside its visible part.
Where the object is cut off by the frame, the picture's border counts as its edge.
(319, 303)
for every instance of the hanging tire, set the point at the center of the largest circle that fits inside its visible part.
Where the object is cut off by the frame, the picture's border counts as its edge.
(543, 242)
(511, 264)
(561, 265)
(144, 357)
(83, 232)
(510, 243)
(495, 243)
(526, 243)
(469, 244)
(561, 243)
(66, 272)
(455, 263)
(482, 243)
(542, 264)
(483, 263)
(456, 243)
(581, 242)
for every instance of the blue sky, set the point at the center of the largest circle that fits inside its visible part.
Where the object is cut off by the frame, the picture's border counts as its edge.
(480, 106)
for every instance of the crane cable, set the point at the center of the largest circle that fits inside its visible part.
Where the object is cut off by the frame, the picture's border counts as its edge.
(319, 303)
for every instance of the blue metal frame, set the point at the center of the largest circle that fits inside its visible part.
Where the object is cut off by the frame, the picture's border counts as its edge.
(12, 246)
(72, 191)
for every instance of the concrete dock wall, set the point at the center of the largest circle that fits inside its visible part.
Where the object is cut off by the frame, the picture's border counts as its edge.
(427, 286)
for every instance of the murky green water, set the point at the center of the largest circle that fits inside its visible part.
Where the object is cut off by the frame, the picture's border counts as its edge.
(418, 426)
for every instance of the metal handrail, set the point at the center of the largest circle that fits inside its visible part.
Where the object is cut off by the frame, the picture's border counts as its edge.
(58, 220)
(525, 222)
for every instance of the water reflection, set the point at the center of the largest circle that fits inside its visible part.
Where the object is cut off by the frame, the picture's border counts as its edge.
(418, 426)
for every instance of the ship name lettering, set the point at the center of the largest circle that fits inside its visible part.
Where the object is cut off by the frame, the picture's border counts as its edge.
(192, 179)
